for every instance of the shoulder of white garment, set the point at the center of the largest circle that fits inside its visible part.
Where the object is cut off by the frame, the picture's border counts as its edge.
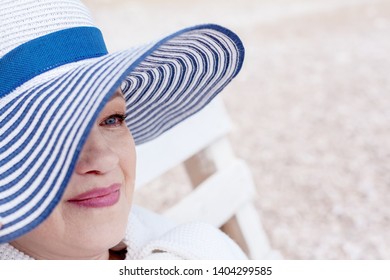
(152, 236)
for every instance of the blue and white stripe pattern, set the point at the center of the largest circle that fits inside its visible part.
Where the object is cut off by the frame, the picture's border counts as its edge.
(45, 121)
(179, 78)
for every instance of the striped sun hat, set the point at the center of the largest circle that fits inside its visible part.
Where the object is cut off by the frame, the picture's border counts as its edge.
(56, 76)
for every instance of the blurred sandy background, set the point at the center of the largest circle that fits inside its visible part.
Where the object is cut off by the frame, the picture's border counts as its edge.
(311, 113)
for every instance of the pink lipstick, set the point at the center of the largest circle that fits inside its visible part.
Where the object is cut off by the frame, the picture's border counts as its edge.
(98, 197)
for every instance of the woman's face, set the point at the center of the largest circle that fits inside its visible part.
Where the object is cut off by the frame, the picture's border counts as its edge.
(92, 214)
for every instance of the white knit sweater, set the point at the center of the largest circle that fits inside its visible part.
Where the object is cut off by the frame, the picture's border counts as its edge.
(150, 236)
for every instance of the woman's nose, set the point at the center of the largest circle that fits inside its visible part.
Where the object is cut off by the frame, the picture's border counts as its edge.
(96, 156)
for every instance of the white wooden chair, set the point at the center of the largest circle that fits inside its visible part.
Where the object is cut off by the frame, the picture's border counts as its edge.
(223, 189)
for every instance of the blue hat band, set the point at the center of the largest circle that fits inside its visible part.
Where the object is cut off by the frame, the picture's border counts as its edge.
(47, 52)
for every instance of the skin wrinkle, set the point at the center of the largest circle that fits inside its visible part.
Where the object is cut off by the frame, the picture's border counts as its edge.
(76, 232)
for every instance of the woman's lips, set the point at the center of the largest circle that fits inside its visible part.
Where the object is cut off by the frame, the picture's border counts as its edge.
(98, 197)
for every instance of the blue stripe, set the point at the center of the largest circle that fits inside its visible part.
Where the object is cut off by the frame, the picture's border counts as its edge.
(16, 123)
(47, 52)
(21, 101)
(10, 103)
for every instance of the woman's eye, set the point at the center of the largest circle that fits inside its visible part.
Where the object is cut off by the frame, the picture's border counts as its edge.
(114, 120)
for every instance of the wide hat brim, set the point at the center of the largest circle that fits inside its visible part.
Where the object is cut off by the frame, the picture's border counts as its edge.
(45, 121)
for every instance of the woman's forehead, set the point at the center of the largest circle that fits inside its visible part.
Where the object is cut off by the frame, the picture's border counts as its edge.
(118, 93)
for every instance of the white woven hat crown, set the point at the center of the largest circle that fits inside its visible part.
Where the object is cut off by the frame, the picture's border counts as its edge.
(24, 20)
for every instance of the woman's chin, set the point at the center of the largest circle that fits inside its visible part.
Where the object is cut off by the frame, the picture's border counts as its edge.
(100, 228)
